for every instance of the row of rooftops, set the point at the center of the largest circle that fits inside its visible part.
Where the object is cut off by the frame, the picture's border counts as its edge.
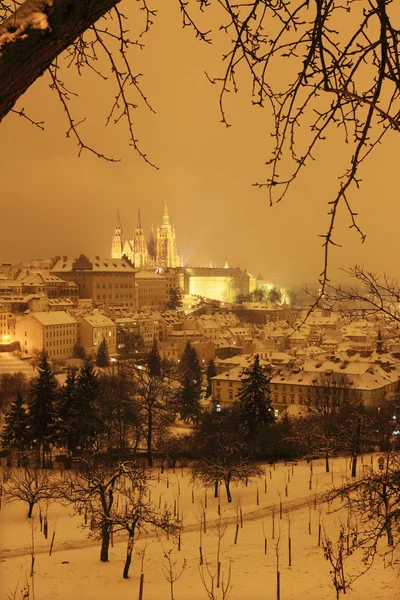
(360, 375)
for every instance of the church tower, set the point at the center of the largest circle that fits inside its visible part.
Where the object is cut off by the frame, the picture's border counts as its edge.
(141, 258)
(117, 243)
(166, 253)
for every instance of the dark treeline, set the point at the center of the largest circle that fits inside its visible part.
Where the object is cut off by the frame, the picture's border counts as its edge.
(130, 411)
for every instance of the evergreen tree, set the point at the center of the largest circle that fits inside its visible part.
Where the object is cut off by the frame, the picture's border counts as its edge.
(88, 424)
(102, 358)
(154, 360)
(254, 401)
(211, 372)
(175, 298)
(67, 413)
(42, 409)
(16, 431)
(191, 376)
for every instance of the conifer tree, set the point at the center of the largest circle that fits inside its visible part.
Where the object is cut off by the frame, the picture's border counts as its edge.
(67, 413)
(16, 435)
(254, 401)
(175, 298)
(87, 391)
(211, 372)
(42, 409)
(191, 376)
(103, 358)
(154, 360)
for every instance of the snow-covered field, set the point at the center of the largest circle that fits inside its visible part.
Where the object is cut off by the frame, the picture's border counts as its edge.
(74, 571)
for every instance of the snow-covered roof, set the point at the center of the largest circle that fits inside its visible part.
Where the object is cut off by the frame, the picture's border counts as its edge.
(97, 320)
(56, 317)
(96, 264)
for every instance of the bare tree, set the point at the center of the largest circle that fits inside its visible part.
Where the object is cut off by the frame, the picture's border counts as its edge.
(336, 557)
(370, 295)
(222, 455)
(208, 579)
(332, 405)
(172, 570)
(32, 486)
(136, 514)
(375, 500)
(154, 393)
(115, 498)
(94, 490)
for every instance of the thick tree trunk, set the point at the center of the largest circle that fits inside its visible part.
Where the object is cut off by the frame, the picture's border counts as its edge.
(228, 491)
(29, 44)
(31, 505)
(216, 488)
(105, 543)
(327, 461)
(128, 559)
(354, 466)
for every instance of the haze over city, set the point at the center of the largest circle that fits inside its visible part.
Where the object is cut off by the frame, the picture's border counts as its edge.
(57, 203)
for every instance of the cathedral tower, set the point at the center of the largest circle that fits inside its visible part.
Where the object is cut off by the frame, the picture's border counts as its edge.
(166, 253)
(117, 243)
(141, 258)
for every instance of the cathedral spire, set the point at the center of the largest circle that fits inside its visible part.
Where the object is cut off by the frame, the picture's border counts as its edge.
(117, 239)
(118, 222)
(139, 223)
(165, 220)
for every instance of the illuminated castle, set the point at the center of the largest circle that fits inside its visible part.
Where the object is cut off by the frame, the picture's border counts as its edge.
(159, 251)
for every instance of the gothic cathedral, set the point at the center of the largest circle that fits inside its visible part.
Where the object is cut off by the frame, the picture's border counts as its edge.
(158, 252)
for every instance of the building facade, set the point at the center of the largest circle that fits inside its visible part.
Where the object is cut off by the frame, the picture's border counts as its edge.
(95, 328)
(223, 284)
(103, 280)
(151, 289)
(55, 333)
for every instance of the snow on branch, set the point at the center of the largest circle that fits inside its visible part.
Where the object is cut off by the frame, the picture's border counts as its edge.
(31, 14)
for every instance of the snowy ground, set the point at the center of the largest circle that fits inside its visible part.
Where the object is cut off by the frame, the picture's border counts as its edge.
(74, 571)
